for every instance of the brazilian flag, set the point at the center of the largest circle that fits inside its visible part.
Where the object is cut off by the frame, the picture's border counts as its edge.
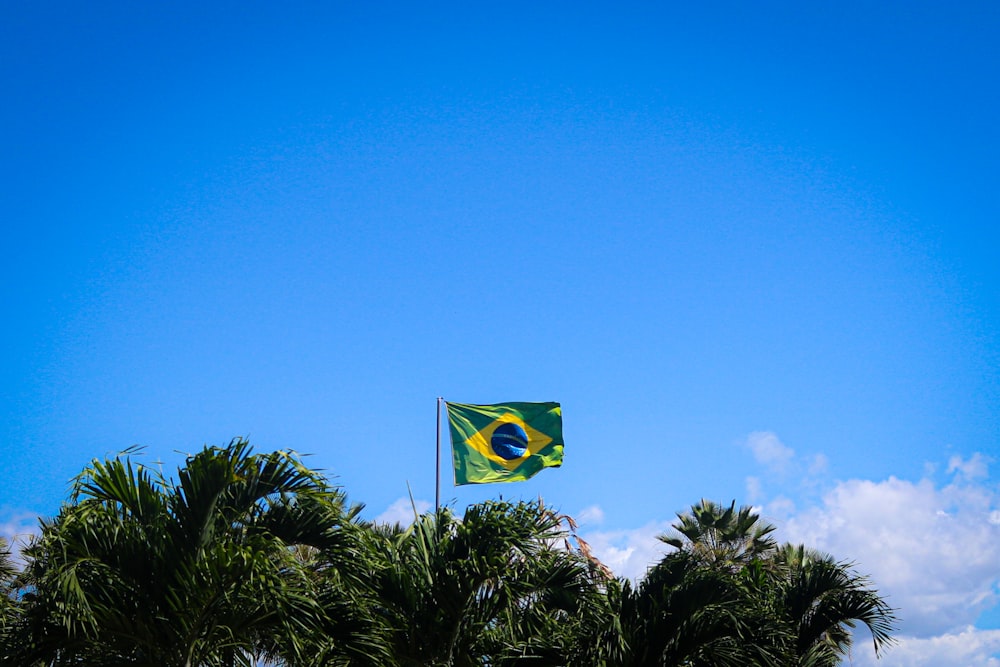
(506, 442)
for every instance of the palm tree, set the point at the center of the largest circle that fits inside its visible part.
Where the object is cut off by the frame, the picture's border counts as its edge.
(722, 536)
(822, 600)
(340, 571)
(680, 613)
(779, 604)
(250, 557)
(9, 605)
(495, 588)
(143, 571)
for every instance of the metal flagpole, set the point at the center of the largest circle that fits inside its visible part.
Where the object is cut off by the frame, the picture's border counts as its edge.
(437, 460)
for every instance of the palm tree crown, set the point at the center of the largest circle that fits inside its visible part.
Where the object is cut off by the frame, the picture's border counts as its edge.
(250, 559)
(722, 536)
(137, 570)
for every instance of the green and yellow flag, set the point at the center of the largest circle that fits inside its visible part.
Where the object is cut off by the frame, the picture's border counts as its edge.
(506, 442)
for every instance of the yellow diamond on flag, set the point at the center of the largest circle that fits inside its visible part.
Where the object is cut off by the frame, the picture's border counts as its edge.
(483, 441)
(504, 442)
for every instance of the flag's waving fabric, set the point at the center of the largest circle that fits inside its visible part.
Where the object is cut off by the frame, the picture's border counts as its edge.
(506, 442)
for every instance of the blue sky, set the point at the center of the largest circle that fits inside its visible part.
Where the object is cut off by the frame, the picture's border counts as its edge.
(751, 250)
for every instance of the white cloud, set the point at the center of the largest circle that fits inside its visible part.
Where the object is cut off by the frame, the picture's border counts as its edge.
(934, 551)
(17, 525)
(769, 451)
(819, 464)
(629, 553)
(977, 467)
(402, 512)
(969, 647)
(932, 548)
(778, 508)
(17, 528)
(590, 516)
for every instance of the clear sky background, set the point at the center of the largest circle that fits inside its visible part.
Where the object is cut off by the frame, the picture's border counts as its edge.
(751, 248)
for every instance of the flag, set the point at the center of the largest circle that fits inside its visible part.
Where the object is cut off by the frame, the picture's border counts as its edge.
(506, 442)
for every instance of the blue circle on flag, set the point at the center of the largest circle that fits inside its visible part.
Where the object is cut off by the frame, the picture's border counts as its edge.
(509, 441)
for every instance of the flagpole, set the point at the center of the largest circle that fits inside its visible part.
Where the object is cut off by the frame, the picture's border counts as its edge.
(437, 460)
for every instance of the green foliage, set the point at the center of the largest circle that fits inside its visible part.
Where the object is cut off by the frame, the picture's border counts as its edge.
(139, 570)
(788, 605)
(495, 586)
(722, 536)
(252, 559)
(821, 600)
(10, 607)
